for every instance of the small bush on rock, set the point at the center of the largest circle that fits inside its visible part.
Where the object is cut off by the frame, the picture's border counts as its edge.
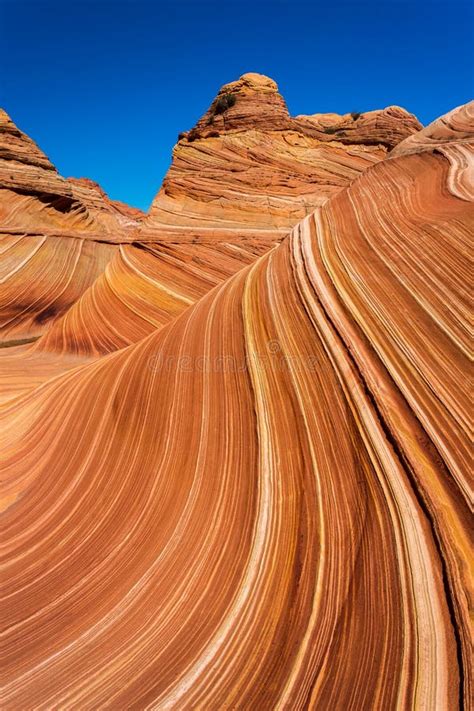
(223, 103)
(193, 135)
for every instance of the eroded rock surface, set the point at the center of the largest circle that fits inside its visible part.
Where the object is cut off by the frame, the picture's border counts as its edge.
(266, 502)
(251, 165)
(238, 182)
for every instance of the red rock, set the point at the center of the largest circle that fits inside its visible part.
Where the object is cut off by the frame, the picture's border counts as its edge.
(45, 222)
(23, 166)
(243, 188)
(252, 166)
(267, 502)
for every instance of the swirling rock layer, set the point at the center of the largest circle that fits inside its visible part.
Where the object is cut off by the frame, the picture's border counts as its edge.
(53, 235)
(238, 181)
(143, 287)
(42, 276)
(264, 503)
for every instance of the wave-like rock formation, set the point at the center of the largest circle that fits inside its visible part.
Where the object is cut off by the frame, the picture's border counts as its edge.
(239, 180)
(265, 503)
(42, 276)
(55, 236)
(450, 135)
(143, 287)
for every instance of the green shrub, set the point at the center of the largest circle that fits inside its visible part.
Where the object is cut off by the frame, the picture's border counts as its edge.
(330, 129)
(193, 135)
(223, 103)
(355, 115)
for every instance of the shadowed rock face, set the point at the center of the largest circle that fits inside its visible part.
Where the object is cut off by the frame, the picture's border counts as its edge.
(235, 473)
(265, 502)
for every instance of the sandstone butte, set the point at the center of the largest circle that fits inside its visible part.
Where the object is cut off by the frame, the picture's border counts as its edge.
(236, 462)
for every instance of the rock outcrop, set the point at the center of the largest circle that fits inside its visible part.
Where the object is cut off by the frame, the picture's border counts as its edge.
(226, 196)
(248, 165)
(57, 236)
(24, 167)
(117, 215)
(35, 198)
(265, 503)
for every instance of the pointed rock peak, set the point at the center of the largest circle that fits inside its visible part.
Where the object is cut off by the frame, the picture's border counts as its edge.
(17, 146)
(251, 102)
(23, 165)
(4, 117)
(7, 125)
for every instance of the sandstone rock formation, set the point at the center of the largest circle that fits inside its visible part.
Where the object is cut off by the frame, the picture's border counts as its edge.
(35, 199)
(264, 501)
(450, 131)
(25, 168)
(233, 194)
(450, 135)
(252, 166)
(143, 287)
(56, 236)
(42, 276)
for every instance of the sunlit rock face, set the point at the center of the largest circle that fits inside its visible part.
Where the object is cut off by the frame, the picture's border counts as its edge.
(42, 277)
(265, 502)
(238, 182)
(252, 166)
(56, 236)
(451, 131)
(24, 166)
(143, 287)
(450, 135)
(235, 464)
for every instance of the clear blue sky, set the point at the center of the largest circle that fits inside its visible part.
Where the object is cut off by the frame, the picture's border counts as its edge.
(105, 86)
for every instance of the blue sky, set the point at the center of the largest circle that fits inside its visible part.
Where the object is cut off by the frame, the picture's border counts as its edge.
(105, 86)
